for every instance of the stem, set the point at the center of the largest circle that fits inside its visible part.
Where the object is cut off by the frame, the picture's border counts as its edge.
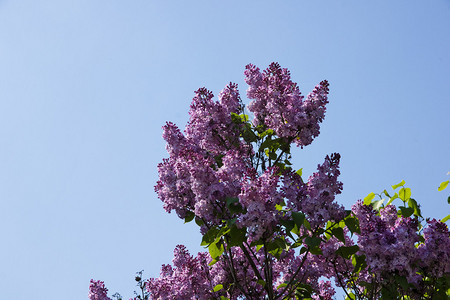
(293, 277)
(267, 270)
(251, 251)
(233, 270)
(252, 263)
(339, 278)
(282, 152)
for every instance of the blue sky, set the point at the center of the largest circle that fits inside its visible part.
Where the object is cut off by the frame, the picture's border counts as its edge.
(85, 87)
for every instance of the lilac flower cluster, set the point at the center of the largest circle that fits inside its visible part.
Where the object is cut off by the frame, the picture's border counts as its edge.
(210, 125)
(211, 162)
(434, 253)
(206, 163)
(193, 278)
(234, 176)
(189, 278)
(97, 290)
(259, 196)
(316, 198)
(279, 105)
(387, 241)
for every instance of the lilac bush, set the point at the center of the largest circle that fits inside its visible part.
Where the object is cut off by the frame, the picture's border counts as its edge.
(270, 234)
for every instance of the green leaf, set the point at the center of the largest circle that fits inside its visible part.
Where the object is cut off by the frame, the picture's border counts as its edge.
(270, 154)
(231, 200)
(248, 135)
(443, 185)
(258, 247)
(189, 216)
(210, 236)
(339, 234)
(312, 241)
(398, 185)
(445, 219)
(244, 117)
(299, 219)
(215, 249)
(236, 236)
(392, 199)
(299, 172)
(234, 206)
(218, 287)
(358, 262)
(289, 225)
(199, 221)
(276, 247)
(413, 204)
(281, 286)
(278, 207)
(224, 298)
(350, 296)
(307, 225)
(235, 118)
(406, 211)
(352, 224)
(377, 204)
(270, 144)
(346, 252)
(368, 199)
(402, 281)
(386, 193)
(267, 132)
(316, 250)
(261, 282)
(404, 193)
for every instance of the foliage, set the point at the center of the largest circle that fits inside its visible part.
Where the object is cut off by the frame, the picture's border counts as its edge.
(269, 233)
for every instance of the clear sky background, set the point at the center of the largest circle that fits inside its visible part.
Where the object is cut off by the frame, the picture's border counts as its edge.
(86, 85)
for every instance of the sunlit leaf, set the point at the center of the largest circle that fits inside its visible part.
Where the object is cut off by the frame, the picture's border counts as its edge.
(398, 185)
(392, 199)
(215, 249)
(377, 204)
(443, 185)
(218, 288)
(368, 199)
(404, 193)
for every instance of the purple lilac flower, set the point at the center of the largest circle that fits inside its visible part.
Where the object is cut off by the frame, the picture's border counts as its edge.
(326, 291)
(187, 279)
(260, 195)
(278, 104)
(97, 290)
(316, 198)
(388, 246)
(434, 254)
(210, 125)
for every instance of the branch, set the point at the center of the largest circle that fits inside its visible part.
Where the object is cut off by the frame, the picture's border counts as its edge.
(295, 275)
